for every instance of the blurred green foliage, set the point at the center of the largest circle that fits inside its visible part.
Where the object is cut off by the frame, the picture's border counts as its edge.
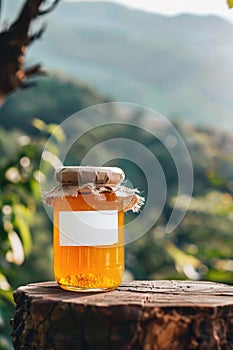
(52, 99)
(20, 202)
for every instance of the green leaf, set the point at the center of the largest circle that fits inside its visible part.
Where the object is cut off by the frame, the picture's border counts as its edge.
(7, 295)
(185, 263)
(39, 124)
(20, 222)
(230, 3)
(57, 132)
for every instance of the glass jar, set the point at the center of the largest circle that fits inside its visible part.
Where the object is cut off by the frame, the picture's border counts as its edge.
(88, 229)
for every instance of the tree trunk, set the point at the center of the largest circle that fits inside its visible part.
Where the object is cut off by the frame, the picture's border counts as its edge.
(148, 315)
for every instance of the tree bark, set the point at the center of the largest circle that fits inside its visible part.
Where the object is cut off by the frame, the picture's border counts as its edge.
(147, 315)
(13, 44)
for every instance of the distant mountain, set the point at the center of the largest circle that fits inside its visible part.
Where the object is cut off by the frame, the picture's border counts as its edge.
(181, 66)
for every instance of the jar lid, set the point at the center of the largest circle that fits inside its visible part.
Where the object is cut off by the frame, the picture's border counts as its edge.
(80, 175)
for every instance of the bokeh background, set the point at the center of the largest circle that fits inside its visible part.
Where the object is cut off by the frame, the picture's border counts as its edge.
(180, 65)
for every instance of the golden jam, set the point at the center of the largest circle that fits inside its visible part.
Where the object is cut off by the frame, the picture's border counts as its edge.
(93, 266)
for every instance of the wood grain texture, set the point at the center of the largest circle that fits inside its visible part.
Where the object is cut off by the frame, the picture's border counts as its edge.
(147, 315)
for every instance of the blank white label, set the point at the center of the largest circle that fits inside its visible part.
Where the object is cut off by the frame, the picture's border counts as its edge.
(88, 228)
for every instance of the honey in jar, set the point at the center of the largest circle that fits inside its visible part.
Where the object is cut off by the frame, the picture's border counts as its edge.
(89, 206)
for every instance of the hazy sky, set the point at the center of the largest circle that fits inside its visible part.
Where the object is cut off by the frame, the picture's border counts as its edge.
(176, 6)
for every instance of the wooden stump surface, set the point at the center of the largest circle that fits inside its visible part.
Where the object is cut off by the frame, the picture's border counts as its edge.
(147, 315)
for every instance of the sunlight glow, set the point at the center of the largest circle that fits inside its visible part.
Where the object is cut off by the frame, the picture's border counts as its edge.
(172, 7)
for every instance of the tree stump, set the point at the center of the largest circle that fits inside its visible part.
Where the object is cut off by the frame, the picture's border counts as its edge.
(147, 315)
